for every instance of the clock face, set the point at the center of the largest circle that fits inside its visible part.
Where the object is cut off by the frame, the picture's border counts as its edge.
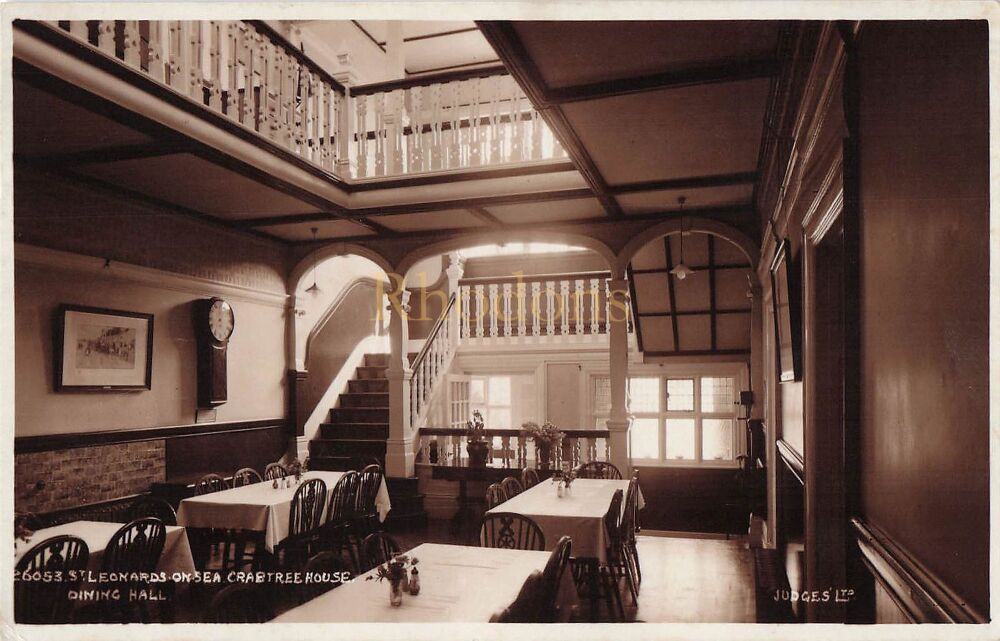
(221, 320)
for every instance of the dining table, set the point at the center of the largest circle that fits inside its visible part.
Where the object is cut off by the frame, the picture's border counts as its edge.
(458, 584)
(176, 555)
(260, 507)
(578, 513)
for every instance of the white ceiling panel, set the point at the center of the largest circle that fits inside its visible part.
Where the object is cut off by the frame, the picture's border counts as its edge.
(546, 212)
(646, 202)
(448, 219)
(651, 293)
(325, 230)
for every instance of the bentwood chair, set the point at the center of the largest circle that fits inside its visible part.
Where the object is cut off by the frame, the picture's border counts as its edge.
(511, 531)
(598, 470)
(135, 548)
(323, 572)
(275, 471)
(304, 520)
(529, 478)
(495, 495)
(152, 506)
(511, 487)
(630, 525)
(615, 567)
(210, 483)
(555, 567)
(529, 606)
(246, 476)
(377, 549)
(338, 531)
(48, 601)
(365, 511)
(240, 603)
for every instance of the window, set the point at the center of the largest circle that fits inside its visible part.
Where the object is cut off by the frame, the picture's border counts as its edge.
(491, 396)
(678, 419)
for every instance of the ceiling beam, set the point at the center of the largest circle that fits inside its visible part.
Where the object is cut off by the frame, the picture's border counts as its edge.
(701, 352)
(117, 153)
(664, 270)
(505, 41)
(485, 216)
(689, 182)
(716, 72)
(670, 293)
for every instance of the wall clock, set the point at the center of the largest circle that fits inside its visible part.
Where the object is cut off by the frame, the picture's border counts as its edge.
(214, 322)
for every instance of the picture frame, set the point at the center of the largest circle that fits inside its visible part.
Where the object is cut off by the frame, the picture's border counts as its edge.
(786, 303)
(98, 349)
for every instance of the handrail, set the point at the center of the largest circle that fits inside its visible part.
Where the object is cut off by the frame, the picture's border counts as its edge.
(512, 431)
(536, 278)
(280, 40)
(429, 79)
(434, 332)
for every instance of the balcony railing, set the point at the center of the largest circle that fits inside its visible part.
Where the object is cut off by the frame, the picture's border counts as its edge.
(576, 304)
(446, 446)
(247, 72)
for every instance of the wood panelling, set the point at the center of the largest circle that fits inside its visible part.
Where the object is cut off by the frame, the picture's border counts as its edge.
(693, 500)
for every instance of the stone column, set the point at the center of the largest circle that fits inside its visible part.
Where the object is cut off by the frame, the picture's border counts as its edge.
(399, 458)
(619, 420)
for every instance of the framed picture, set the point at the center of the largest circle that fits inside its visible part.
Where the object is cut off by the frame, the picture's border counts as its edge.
(102, 349)
(787, 307)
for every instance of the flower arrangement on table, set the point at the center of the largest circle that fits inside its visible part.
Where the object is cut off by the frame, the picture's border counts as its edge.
(475, 429)
(546, 437)
(295, 468)
(568, 474)
(395, 570)
(21, 530)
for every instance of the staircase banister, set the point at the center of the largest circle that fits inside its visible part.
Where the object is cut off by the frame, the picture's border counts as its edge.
(278, 39)
(429, 79)
(433, 334)
(539, 278)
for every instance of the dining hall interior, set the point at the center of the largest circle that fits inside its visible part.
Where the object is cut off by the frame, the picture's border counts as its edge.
(500, 321)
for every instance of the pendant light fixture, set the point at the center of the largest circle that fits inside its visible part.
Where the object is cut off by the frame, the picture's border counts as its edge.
(682, 271)
(314, 288)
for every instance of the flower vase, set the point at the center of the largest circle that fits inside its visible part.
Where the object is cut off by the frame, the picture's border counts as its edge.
(396, 591)
(478, 453)
(544, 456)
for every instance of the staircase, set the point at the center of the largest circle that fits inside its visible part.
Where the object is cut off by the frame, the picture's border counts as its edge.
(355, 434)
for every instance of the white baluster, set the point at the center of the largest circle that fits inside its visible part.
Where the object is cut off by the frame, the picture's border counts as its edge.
(494, 328)
(466, 311)
(550, 307)
(361, 129)
(106, 36)
(564, 309)
(522, 314)
(607, 305)
(536, 308)
(481, 303)
(595, 307)
(159, 39)
(578, 304)
(522, 450)
(506, 309)
(78, 29)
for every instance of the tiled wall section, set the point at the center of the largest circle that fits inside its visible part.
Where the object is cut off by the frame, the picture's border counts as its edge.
(84, 475)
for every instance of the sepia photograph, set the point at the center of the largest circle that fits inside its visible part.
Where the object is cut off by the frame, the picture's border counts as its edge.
(657, 316)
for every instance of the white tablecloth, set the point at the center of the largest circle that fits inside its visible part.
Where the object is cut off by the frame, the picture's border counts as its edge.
(176, 556)
(457, 584)
(259, 507)
(579, 514)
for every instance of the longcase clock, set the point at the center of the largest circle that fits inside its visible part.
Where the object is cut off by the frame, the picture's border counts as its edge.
(214, 322)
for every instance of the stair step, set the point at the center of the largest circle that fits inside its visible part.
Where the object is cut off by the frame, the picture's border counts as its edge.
(377, 360)
(364, 399)
(343, 463)
(366, 448)
(371, 385)
(365, 372)
(354, 430)
(359, 415)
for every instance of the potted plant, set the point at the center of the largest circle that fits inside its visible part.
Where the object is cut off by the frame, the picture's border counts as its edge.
(475, 433)
(546, 438)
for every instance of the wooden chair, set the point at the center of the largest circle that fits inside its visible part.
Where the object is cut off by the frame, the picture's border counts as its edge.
(210, 483)
(304, 520)
(510, 531)
(366, 518)
(42, 602)
(629, 527)
(275, 471)
(615, 565)
(555, 567)
(495, 495)
(529, 478)
(377, 548)
(246, 476)
(528, 606)
(598, 470)
(135, 548)
(240, 603)
(152, 506)
(338, 531)
(511, 487)
(330, 564)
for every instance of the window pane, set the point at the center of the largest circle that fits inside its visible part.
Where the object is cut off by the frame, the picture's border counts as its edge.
(644, 394)
(499, 390)
(717, 439)
(477, 390)
(602, 395)
(644, 438)
(717, 394)
(680, 395)
(680, 439)
(498, 418)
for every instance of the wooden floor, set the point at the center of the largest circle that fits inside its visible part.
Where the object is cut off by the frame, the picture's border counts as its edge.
(695, 580)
